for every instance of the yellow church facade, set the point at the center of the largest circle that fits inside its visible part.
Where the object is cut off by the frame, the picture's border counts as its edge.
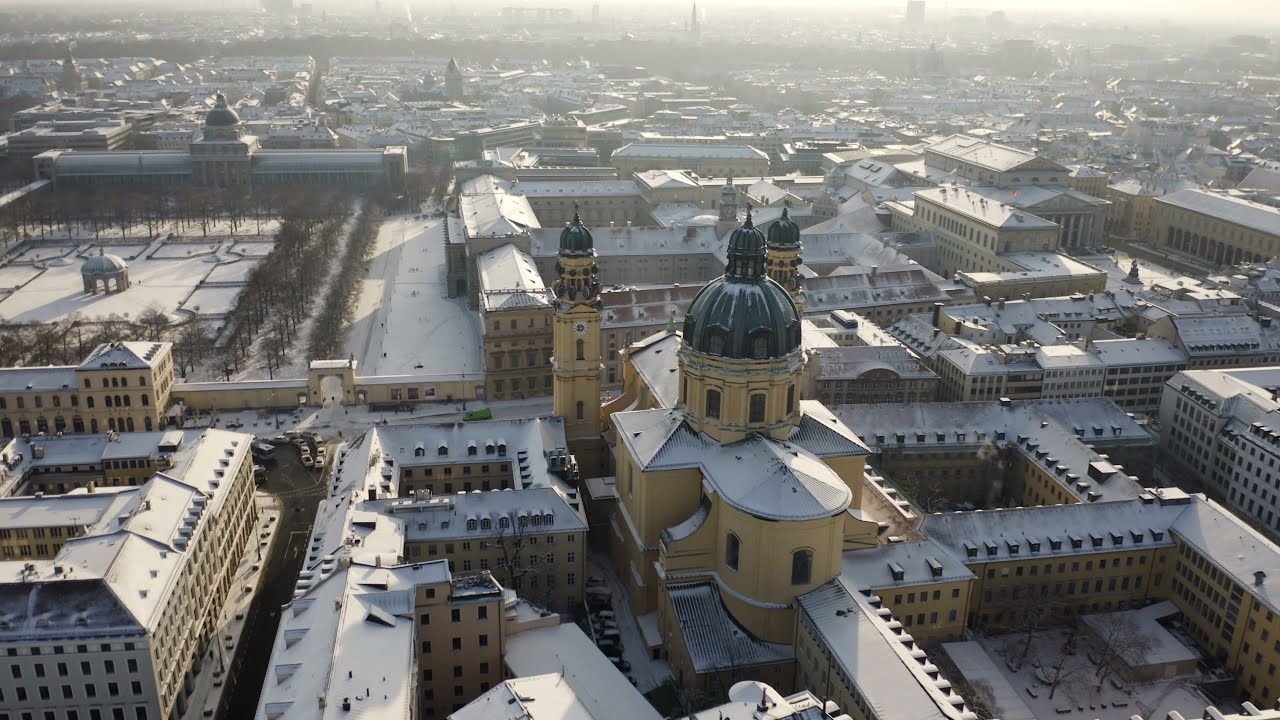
(734, 495)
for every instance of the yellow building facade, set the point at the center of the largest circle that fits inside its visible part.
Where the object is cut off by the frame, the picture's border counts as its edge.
(122, 387)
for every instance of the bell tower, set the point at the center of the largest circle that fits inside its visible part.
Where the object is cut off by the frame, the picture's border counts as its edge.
(575, 360)
(783, 259)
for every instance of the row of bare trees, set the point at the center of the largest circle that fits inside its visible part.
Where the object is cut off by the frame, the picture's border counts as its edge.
(188, 210)
(329, 329)
(280, 291)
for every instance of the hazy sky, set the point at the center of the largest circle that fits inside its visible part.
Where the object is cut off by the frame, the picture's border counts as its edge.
(1252, 15)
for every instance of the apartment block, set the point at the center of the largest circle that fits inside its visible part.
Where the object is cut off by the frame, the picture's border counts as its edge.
(122, 387)
(110, 599)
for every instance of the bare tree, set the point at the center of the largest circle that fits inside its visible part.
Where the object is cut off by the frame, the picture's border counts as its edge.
(522, 564)
(153, 320)
(1118, 644)
(1060, 671)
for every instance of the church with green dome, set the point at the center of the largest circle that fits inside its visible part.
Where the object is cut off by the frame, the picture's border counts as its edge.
(732, 495)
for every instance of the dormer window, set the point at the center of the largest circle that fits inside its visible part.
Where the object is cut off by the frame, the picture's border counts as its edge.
(760, 344)
(504, 522)
(471, 524)
(442, 450)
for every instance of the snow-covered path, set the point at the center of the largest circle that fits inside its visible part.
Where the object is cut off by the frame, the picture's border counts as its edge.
(404, 322)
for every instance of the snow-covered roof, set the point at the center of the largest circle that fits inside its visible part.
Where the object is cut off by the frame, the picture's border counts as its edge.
(663, 150)
(901, 564)
(120, 575)
(489, 209)
(586, 684)
(464, 515)
(126, 355)
(1254, 216)
(509, 280)
(758, 475)
(988, 212)
(37, 379)
(715, 640)
(880, 660)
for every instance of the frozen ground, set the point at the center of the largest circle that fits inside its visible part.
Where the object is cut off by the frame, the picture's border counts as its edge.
(1078, 696)
(648, 673)
(254, 367)
(404, 322)
(1117, 268)
(43, 284)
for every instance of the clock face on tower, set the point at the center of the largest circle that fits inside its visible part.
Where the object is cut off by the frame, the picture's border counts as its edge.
(580, 328)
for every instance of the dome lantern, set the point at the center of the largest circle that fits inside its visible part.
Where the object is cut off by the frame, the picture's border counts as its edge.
(784, 233)
(576, 239)
(221, 115)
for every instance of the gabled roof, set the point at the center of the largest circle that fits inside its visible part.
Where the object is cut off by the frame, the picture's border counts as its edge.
(125, 356)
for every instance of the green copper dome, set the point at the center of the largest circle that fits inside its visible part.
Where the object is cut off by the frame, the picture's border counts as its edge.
(221, 115)
(784, 233)
(576, 238)
(743, 315)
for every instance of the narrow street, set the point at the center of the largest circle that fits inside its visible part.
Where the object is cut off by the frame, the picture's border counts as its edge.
(299, 490)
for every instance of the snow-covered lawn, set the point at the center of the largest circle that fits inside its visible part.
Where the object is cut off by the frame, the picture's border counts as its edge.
(1078, 696)
(404, 322)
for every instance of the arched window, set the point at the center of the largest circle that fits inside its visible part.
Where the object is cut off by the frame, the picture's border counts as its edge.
(581, 350)
(756, 408)
(88, 403)
(146, 422)
(801, 567)
(128, 422)
(760, 344)
(486, 524)
(715, 342)
(713, 403)
(127, 401)
(145, 400)
(732, 548)
(791, 399)
(581, 408)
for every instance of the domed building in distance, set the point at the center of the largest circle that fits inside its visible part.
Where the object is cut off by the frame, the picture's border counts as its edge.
(105, 271)
(225, 157)
(734, 494)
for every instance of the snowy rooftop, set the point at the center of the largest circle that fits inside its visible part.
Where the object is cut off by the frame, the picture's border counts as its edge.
(509, 281)
(877, 656)
(718, 152)
(868, 287)
(1049, 433)
(716, 641)
(1232, 209)
(901, 565)
(988, 212)
(121, 573)
(480, 514)
(524, 442)
(853, 362)
(746, 698)
(126, 356)
(983, 153)
(489, 209)
(584, 683)
(615, 241)
(757, 475)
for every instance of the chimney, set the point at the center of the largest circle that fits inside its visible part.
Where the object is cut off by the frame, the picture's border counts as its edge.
(1006, 402)
(874, 270)
(986, 300)
(937, 313)
(1259, 577)
(373, 493)
(1000, 305)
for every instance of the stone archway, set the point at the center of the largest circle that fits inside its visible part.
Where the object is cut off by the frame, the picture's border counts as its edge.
(331, 382)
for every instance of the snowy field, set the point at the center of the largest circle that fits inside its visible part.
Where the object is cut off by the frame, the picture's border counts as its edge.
(404, 322)
(45, 285)
(1078, 696)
